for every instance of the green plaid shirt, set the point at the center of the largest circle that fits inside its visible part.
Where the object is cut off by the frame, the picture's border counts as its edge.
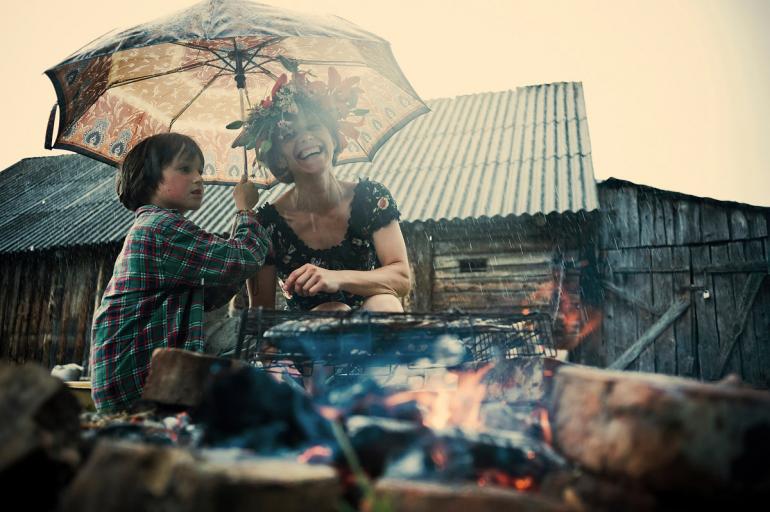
(156, 296)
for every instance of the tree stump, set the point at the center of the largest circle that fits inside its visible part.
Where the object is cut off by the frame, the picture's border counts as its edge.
(39, 436)
(179, 377)
(126, 477)
(674, 435)
(416, 496)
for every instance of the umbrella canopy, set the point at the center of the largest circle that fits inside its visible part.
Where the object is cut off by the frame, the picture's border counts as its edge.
(198, 70)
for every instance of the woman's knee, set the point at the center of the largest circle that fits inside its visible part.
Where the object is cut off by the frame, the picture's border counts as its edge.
(384, 302)
(332, 306)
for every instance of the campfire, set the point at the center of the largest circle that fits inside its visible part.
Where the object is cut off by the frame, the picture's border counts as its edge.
(415, 412)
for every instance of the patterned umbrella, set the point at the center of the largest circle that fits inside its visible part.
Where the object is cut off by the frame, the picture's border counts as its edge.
(198, 70)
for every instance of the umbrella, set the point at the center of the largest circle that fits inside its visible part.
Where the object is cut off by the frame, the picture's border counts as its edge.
(198, 70)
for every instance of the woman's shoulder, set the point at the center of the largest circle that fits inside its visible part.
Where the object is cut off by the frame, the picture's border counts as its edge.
(371, 187)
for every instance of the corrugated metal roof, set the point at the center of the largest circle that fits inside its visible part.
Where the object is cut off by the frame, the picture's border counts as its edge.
(523, 151)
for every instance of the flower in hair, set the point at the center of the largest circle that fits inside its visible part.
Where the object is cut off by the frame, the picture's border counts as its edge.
(337, 97)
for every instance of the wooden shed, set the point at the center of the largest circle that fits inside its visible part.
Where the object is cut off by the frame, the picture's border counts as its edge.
(685, 285)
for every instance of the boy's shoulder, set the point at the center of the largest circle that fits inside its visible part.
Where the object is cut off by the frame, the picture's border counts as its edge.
(154, 218)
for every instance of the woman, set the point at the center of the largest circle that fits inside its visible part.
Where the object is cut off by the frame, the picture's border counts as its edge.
(336, 245)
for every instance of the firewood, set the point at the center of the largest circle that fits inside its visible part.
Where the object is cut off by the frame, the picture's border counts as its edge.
(127, 477)
(421, 496)
(178, 377)
(674, 435)
(39, 435)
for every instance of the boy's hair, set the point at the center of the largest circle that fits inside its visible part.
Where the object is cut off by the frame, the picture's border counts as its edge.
(142, 169)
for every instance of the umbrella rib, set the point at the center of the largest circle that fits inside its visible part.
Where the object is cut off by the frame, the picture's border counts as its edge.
(156, 75)
(192, 100)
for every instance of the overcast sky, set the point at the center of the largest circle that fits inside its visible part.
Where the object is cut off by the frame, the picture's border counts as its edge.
(677, 91)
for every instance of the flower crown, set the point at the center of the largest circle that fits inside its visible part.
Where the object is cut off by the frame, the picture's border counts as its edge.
(336, 97)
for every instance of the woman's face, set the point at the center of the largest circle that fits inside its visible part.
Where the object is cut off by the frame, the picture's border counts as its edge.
(306, 145)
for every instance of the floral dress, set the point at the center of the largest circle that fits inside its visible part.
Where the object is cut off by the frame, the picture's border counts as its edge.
(372, 208)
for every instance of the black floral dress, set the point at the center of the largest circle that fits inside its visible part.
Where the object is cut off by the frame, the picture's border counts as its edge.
(372, 208)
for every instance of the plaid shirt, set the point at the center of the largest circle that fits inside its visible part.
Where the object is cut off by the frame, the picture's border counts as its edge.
(156, 296)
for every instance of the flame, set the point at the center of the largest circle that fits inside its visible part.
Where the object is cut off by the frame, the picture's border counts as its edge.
(577, 322)
(545, 425)
(318, 453)
(496, 477)
(454, 402)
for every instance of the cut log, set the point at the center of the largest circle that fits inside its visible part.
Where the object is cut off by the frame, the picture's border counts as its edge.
(416, 496)
(39, 435)
(673, 434)
(129, 477)
(179, 377)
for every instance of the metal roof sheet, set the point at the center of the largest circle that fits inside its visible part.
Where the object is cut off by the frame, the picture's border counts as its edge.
(523, 151)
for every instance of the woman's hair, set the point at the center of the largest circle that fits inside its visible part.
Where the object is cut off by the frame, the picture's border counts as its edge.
(309, 107)
(142, 169)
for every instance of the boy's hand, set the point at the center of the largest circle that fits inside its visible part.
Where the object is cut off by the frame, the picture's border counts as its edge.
(245, 194)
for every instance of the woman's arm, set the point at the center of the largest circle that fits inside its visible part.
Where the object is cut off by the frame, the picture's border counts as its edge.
(393, 277)
(263, 288)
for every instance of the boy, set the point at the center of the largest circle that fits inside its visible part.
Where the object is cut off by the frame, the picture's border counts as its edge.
(156, 295)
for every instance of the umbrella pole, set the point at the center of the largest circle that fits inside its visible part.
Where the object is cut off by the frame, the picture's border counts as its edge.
(240, 81)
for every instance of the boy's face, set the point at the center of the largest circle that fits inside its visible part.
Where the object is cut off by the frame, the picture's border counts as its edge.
(181, 186)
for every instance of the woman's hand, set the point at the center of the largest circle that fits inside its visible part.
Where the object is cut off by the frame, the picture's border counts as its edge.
(309, 280)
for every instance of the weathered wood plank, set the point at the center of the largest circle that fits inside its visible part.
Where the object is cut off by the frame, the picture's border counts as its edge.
(516, 274)
(757, 223)
(627, 296)
(724, 300)
(744, 304)
(686, 349)
(686, 222)
(748, 339)
(662, 297)
(647, 218)
(739, 224)
(715, 225)
(666, 205)
(493, 261)
(22, 310)
(642, 345)
(7, 292)
(608, 234)
(501, 242)
(761, 316)
(34, 334)
(620, 222)
(612, 304)
(627, 209)
(421, 258)
(627, 315)
(497, 286)
(705, 313)
(642, 285)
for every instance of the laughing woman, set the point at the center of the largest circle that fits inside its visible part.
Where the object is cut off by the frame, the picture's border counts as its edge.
(337, 245)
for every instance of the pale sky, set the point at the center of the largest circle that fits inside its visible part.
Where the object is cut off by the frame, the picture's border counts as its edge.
(677, 91)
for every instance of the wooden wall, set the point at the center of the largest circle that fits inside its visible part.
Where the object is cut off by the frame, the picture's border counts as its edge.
(531, 262)
(47, 302)
(656, 247)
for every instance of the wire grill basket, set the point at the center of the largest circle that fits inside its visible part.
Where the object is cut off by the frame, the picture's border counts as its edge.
(350, 341)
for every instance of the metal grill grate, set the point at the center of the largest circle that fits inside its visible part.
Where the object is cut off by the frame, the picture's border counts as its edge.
(351, 341)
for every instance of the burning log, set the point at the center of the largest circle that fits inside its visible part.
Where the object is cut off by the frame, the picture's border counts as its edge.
(39, 435)
(416, 496)
(178, 377)
(674, 435)
(409, 451)
(128, 477)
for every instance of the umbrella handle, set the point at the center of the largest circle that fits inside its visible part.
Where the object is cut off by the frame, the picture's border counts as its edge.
(47, 143)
